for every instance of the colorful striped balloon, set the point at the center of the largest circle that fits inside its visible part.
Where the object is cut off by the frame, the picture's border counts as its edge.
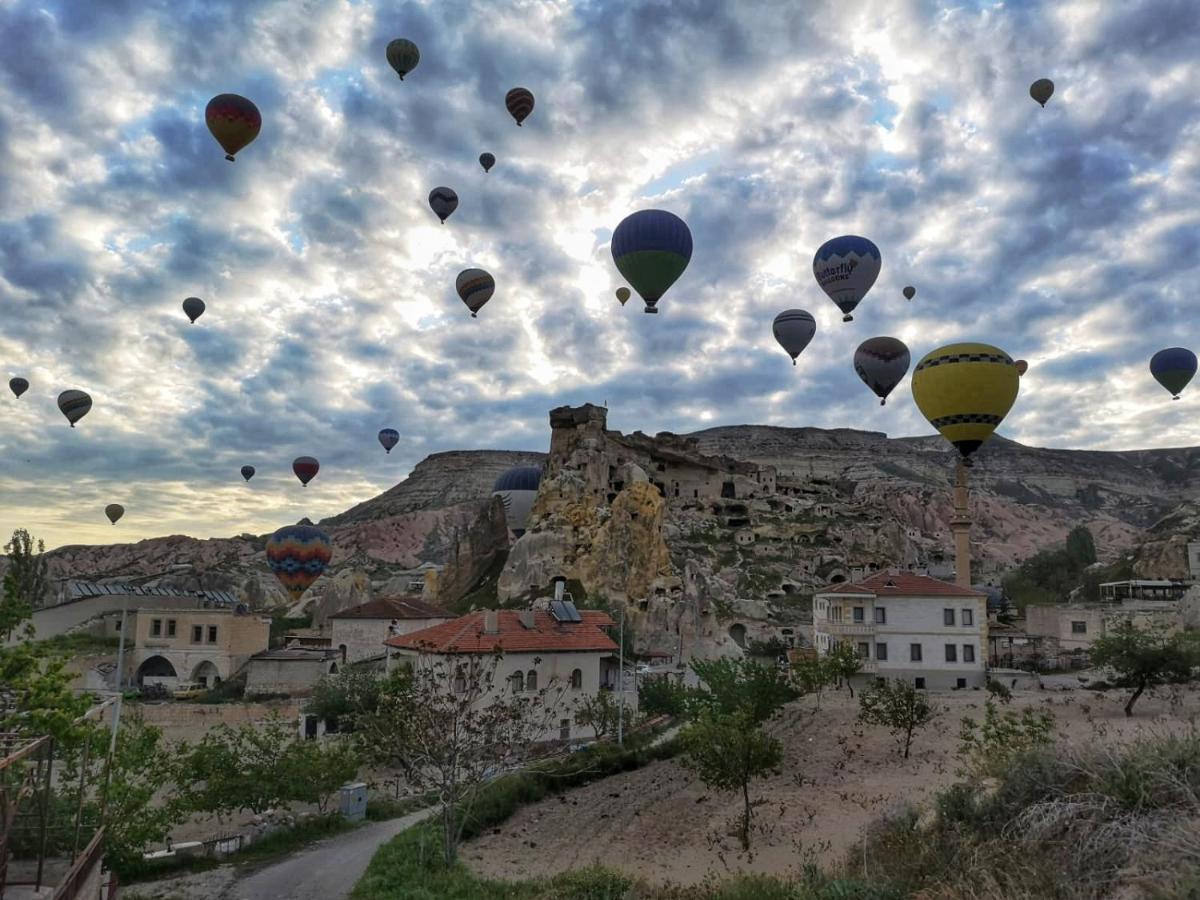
(519, 102)
(306, 468)
(651, 248)
(443, 201)
(882, 363)
(298, 555)
(74, 405)
(403, 56)
(389, 437)
(234, 121)
(475, 288)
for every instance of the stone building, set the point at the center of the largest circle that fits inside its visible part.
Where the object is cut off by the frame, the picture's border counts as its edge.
(205, 646)
(358, 633)
(291, 671)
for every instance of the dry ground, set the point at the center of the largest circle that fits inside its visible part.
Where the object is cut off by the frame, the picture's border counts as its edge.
(662, 824)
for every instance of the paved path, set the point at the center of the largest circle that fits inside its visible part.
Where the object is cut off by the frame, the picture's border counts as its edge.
(328, 870)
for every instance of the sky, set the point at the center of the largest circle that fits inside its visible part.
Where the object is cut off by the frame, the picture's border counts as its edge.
(1068, 236)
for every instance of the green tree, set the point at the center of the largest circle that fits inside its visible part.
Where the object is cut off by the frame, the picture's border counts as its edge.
(239, 768)
(988, 747)
(898, 706)
(843, 663)
(661, 695)
(36, 698)
(1145, 658)
(319, 768)
(1081, 547)
(598, 712)
(347, 696)
(734, 685)
(727, 751)
(811, 675)
(25, 582)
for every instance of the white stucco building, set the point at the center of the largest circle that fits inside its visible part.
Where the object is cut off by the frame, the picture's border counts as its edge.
(930, 633)
(535, 651)
(358, 633)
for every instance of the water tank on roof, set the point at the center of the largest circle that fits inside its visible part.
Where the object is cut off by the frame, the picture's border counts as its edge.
(517, 489)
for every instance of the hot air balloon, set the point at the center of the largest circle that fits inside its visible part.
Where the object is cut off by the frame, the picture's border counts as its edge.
(651, 248)
(910, 292)
(519, 102)
(794, 328)
(623, 295)
(1173, 368)
(475, 287)
(881, 362)
(1022, 366)
(845, 268)
(114, 511)
(18, 386)
(965, 391)
(234, 121)
(194, 308)
(389, 437)
(487, 161)
(306, 468)
(74, 405)
(1041, 90)
(403, 56)
(247, 472)
(517, 489)
(298, 554)
(443, 201)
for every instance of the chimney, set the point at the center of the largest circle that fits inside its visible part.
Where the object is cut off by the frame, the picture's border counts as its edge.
(491, 622)
(560, 584)
(527, 619)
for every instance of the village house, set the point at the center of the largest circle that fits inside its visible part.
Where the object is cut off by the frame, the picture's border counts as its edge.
(358, 633)
(203, 646)
(561, 654)
(928, 632)
(1075, 627)
(289, 670)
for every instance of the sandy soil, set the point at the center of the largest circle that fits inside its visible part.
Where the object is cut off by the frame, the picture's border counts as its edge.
(662, 824)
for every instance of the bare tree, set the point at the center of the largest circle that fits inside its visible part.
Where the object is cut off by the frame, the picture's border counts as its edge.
(450, 725)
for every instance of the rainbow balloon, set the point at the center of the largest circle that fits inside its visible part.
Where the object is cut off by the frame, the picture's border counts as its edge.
(298, 555)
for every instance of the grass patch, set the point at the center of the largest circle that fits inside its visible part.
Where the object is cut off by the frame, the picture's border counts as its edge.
(384, 808)
(80, 643)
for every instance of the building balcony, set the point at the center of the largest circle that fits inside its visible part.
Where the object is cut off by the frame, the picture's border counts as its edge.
(845, 628)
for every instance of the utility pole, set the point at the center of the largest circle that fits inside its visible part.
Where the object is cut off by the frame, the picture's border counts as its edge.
(960, 525)
(621, 684)
(112, 744)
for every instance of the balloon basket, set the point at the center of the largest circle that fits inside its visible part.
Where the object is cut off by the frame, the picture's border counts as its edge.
(651, 311)
(847, 318)
(883, 402)
(229, 156)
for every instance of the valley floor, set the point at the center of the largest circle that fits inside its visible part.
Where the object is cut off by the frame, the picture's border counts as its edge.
(662, 824)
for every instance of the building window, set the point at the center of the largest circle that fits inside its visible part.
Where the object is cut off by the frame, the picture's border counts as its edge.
(518, 682)
(577, 679)
(460, 682)
(948, 618)
(170, 628)
(197, 634)
(951, 653)
(969, 653)
(835, 614)
(880, 615)
(960, 682)
(864, 650)
(155, 627)
(968, 617)
(531, 680)
(881, 651)
(564, 729)
(858, 614)
(919, 683)
(914, 652)
(212, 634)
(1079, 628)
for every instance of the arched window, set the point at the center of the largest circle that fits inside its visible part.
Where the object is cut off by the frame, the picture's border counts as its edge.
(531, 680)
(518, 682)
(577, 679)
(342, 650)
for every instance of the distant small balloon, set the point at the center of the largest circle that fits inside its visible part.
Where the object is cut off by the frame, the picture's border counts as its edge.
(794, 329)
(114, 511)
(519, 103)
(1022, 366)
(403, 56)
(623, 295)
(193, 307)
(475, 288)
(306, 468)
(234, 121)
(910, 292)
(389, 437)
(1041, 90)
(487, 161)
(74, 405)
(247, 472)
(443, 201)
(18, 386)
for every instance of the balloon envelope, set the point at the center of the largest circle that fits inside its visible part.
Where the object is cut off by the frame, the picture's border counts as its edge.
(389, 437)
(623, 295)
(306, 468)
(114, 511)
(298, 555)
(234, 121)
(247, 472)
(1041, 90)
(193, 307)
(882, 363)
(845, 268)
(910, 292)
(443, 201)
(18, 386)
(793, 329)
(487, 161)
(74, 405)
(1022, 366)
(475, 288)
(965, 391)
(1173, 368)
(651, 248)
(517, 488)
(519, 103)
(403, 56)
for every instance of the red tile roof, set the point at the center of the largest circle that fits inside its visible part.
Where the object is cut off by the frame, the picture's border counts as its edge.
(394, 608)
(466, 635)
(903, 584)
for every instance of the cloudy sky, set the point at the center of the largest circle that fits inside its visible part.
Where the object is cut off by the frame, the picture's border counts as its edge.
(1067, 235)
